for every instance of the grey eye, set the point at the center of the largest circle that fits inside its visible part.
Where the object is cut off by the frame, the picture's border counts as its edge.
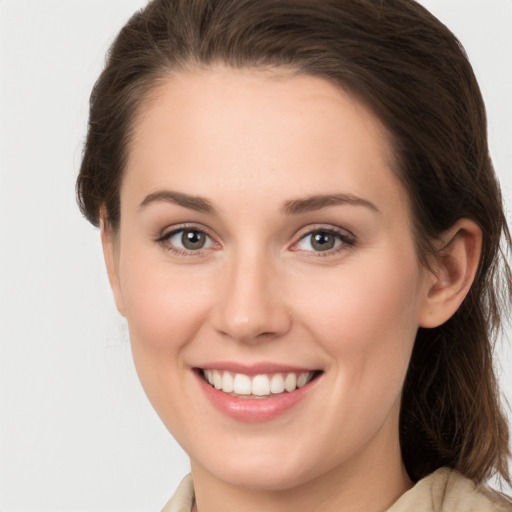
(193, 240)
(190, 239)
(320, 241)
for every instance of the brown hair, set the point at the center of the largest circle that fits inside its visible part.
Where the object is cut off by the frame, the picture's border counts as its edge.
(412, 72)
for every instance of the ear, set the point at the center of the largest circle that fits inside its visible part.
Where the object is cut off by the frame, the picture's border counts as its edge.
(453, 272)
(111, 255)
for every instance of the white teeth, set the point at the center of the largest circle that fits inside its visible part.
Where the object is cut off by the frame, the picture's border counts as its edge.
(290, 383)
(227, 382)
(277, 383)
(302, 380)
(259, 385)
(217, 379)
(242, 384)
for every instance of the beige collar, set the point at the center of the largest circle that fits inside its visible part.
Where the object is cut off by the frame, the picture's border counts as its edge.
(443, 491)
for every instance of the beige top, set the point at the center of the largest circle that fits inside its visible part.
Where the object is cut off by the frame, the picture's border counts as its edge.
(443, 491)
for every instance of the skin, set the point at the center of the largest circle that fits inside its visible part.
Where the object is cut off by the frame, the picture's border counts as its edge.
(250, 142)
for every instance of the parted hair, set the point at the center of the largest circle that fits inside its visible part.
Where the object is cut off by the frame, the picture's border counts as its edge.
(413, 74)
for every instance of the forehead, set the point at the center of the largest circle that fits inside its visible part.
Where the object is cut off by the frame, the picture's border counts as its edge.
(257, 129)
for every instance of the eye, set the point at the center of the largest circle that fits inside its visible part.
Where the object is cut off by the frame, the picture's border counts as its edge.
(323, 240)
(187, 240)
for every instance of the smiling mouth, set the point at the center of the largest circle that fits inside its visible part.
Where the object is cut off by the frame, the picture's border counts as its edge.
(257, 386)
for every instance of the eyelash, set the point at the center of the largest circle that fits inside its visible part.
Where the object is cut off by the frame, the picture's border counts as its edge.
(164, 240)
(346, 239)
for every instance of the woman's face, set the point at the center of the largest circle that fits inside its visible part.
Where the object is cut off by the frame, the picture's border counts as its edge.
(265, 238)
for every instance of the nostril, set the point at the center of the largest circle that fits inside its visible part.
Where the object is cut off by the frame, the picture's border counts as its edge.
(266, 334)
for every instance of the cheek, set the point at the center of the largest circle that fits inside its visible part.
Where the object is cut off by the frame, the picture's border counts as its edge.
(164, 308)
(164, 311)
(360, 301)
(366, 320)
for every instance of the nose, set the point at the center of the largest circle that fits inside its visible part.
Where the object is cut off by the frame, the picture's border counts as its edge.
(251, 306)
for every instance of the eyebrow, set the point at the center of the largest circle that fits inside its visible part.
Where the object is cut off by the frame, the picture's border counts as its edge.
(199, 204)
(317, 202)
(292, 207)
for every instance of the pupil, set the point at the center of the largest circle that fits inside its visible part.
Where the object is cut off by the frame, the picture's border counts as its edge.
(322, 241)
(193, 240)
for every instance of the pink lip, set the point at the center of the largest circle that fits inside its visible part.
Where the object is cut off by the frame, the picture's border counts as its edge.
(254, 369)
(254, 410)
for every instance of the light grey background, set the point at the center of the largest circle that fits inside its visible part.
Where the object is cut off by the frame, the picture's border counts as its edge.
(76, 431)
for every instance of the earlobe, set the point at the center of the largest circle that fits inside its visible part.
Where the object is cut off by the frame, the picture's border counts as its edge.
(454, 269)
(111, 256)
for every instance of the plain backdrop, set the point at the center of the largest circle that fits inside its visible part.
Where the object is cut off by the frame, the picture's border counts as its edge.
(76, 431)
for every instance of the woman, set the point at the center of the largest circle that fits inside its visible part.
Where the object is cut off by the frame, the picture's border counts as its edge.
(302, 226)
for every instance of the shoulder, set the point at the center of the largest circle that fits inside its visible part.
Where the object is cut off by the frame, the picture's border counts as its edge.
(447, 490)
(183, 499)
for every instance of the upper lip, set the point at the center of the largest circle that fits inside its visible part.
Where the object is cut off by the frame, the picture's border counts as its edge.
(255, 368)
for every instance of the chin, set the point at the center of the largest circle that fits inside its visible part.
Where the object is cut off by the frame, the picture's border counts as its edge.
(261, 472)
(263, 479)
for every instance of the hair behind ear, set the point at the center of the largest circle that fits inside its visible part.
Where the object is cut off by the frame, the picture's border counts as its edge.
(451, 412)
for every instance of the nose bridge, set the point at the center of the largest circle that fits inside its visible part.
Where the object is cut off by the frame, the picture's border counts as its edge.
(250, 306)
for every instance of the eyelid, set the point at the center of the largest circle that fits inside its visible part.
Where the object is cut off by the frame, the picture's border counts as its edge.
(347, 238)
(175, 228)
(163, 238)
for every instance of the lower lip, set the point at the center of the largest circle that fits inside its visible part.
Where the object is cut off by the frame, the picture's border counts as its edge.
(256, 409)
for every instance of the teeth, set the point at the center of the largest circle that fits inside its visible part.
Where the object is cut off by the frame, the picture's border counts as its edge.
(290, 383)
(302, 380)
(242, 384)
(227, 383)
(217, 379)
(277, 383)
(259, 385)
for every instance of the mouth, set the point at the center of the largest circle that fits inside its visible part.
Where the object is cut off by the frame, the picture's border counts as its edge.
(257, 393)
(260, 386)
